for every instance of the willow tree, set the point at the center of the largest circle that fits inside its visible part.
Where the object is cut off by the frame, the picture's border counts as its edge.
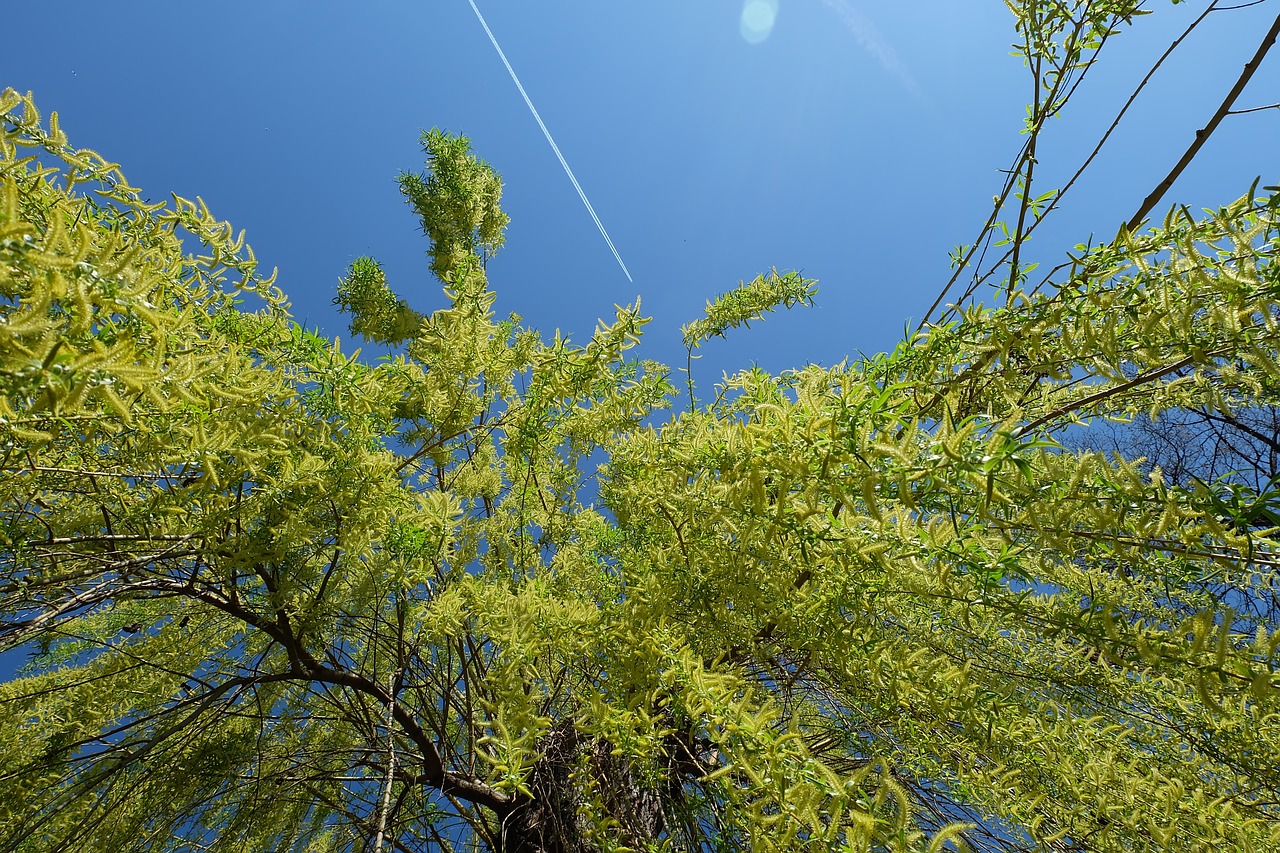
(276, 597)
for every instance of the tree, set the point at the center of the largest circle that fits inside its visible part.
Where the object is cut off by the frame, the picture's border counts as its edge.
(282, 598)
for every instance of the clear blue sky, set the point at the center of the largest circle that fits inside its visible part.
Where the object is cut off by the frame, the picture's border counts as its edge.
(855, 141)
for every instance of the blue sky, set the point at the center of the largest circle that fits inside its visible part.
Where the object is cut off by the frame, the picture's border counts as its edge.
(855, 141)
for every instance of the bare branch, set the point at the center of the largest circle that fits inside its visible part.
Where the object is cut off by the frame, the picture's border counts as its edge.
(1202, 135)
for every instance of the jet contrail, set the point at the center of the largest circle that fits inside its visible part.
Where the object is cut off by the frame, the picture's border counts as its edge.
(547, 134)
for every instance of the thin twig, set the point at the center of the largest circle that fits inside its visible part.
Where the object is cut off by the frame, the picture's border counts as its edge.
(1254, 110)
(391, 766)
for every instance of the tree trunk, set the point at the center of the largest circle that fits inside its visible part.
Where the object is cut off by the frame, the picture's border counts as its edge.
(558, 818)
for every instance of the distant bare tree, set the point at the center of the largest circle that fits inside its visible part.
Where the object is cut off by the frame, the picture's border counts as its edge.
(1241, 447)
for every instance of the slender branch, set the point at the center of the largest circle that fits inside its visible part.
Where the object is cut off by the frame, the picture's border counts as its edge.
(1020, 233)
(391, 767)
(118, 537)
(1106, 393)
(86, 472)
(688, 373)
(1202, 135)
(1254, 109)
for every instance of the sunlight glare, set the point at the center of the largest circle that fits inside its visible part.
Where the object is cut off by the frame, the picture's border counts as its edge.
(757, 19)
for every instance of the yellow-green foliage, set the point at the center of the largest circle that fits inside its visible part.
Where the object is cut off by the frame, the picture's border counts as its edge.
(278, 598)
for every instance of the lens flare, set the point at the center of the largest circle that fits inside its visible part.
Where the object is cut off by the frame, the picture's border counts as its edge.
(757, 19)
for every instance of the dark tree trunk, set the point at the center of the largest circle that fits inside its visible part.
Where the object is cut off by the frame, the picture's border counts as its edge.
(553, 821)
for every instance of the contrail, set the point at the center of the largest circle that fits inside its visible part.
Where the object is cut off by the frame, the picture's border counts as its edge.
(547, 134)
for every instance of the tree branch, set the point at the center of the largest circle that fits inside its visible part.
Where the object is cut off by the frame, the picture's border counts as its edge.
(1202, 135)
